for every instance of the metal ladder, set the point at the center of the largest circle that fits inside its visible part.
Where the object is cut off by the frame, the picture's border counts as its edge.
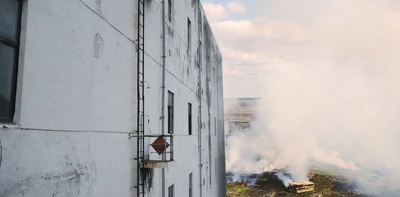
(140, 179)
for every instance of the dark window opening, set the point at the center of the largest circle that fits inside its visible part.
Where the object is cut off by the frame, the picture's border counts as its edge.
(169, 11)
(190, 118)
(171, 191)
(215, 126)
(10, 25)
(170, 112)
(189, 32)
(190, 185)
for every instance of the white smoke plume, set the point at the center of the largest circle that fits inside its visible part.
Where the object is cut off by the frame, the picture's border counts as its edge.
(285, 178)
(334, 101)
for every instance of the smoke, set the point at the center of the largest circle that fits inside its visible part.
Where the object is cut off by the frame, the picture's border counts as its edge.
(285, 177)
(248, 179)
(333, 102)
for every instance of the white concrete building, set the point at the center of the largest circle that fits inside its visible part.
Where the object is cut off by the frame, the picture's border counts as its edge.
(85, 91)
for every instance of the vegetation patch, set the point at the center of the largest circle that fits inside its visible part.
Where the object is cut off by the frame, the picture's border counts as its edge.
(269, 185)
(236, 190)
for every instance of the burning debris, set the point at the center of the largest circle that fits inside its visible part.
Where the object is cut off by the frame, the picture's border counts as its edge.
(246, 179)
(295, 186)
(301, 186)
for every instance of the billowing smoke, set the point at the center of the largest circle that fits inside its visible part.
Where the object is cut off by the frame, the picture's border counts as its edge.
(285, 177)
(247, 179)
(333, 102)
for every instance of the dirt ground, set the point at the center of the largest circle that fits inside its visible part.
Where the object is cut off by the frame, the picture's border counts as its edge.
(268, 185)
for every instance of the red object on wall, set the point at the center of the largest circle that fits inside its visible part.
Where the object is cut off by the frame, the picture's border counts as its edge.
(160, 145)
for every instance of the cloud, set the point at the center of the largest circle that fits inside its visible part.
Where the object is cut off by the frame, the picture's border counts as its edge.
(215, 12)
(236, 7)
(311, 31)
(218, 12)
(254, 45)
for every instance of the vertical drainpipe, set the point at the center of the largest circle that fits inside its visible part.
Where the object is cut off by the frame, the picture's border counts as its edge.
(163, 91)
(200, 124)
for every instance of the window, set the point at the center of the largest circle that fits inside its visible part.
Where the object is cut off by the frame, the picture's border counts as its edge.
(169, 11)
(216, 167)
(215, 126)
(189, 32)
(190, 185)
(207, 171)
(171, 191)
(10, 22)
(190, 118)
(170, 112)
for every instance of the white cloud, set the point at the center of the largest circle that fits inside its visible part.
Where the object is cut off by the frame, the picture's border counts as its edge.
(218, 12)
(215, 12)
(310, 31)
(236, 7)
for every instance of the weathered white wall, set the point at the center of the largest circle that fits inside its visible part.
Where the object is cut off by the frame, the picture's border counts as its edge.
(66, 86)
(76, 100)
(50, 163)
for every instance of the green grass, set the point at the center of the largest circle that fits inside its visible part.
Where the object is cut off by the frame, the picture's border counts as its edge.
(236, 190)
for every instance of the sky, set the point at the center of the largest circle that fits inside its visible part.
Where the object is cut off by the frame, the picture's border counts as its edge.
(260, 38)
(328, 75)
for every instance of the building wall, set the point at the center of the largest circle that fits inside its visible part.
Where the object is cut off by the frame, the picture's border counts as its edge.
(76, 100)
